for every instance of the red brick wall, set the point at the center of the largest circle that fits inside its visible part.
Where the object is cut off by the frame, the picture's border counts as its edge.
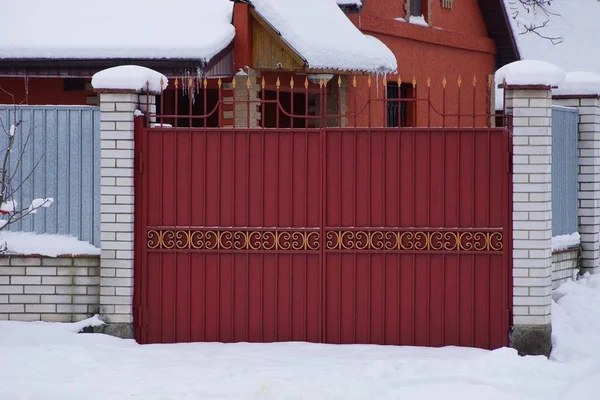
(457, 48)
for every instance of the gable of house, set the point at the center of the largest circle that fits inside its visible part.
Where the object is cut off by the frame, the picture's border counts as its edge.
(314, 35)
(487, 19)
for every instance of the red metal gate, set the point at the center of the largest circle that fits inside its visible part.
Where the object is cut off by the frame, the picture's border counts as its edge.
(333, 235)
(394, 236)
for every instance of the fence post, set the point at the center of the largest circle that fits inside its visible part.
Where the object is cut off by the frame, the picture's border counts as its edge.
(117, 107)
(245, 100)
(581, 96)
(531, 108)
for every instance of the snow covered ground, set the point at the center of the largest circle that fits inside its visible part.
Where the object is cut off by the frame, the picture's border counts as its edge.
(50, 361)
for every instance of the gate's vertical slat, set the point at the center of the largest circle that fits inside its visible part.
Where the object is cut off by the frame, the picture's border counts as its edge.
(189, 145)
(293, 218)
(306, 223)
(385, 224)
(234, 137)
(340, 222)
(414, 223)
(204, 188)
(399, 220)
(428, 275)
(354, 223)
(262, 203)
(161, 223)
(473, 223)
(369, 265)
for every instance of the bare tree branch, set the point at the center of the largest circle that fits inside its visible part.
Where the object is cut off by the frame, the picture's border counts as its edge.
(534, 8)
(8, 188)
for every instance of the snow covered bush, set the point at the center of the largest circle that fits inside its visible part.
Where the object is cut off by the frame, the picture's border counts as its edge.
(10, 210)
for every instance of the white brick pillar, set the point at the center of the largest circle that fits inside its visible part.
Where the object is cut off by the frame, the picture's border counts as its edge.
(117, 168)
(531, 108)
(122, 90)
(588, 174)
(117, 208)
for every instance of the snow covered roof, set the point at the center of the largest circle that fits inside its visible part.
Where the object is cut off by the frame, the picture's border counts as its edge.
(115, 29)
(320, 33)
(575, 21)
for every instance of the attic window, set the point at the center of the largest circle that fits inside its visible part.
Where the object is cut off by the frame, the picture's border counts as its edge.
(418, 12)
(447, 4)
(416, 8)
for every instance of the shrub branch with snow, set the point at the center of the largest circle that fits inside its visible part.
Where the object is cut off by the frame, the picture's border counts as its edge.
(10, 210)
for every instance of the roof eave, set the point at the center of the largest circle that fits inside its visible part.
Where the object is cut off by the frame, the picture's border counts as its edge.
(499, 28)
(352, 8)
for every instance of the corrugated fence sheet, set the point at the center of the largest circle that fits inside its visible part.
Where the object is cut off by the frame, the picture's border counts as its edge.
(60, 148)
(564, 170)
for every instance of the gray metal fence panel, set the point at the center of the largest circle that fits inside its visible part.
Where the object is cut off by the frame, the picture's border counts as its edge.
(61, 159)
(564, 170)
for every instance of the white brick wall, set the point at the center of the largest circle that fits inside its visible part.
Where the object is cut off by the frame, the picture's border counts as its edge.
(49, 289)
(117, 202)
(532, 207)
(117, 168)
(564, 265)
(588, 178)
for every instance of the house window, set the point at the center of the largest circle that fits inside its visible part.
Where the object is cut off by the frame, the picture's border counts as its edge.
(416, 8)
(73, 85)
(397, 105)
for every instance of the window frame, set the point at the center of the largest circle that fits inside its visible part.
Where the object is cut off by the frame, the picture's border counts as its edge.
(425, 10)
(405, 113)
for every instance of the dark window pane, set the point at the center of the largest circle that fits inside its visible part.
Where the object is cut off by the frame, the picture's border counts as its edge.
(397, 109)
(416, 8)
(73, 85)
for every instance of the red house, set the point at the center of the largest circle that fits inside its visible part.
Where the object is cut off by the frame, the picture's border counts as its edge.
(270, 40)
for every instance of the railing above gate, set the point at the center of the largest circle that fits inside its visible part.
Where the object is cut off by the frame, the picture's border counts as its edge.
(297, 101)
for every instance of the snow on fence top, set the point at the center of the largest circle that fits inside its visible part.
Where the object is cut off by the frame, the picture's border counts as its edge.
(28, 244)
(125, 29)
(320, 32)
(531, 72)
(567, 38)
(130, 77)
(579, 83)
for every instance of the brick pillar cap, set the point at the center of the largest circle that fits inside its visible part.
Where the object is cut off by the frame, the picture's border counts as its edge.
(129, 79)
(579, 84)
(530, 75)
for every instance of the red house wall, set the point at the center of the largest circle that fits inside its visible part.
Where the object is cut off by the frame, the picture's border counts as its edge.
(450, 48)
(41, 91)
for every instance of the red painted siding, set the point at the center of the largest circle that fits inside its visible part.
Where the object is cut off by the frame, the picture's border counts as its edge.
(40, 91)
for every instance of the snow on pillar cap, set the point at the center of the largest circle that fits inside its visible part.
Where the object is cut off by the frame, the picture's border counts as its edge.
(129, 78)
(531, 73)
(579, 83)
